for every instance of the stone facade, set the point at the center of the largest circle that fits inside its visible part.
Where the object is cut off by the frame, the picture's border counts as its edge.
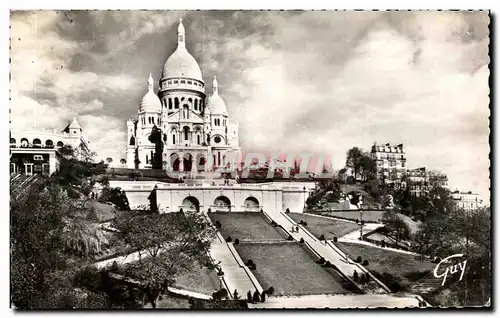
(197, 133)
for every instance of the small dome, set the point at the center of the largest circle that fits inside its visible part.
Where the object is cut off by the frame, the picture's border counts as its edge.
(215, 103)
(150, 102)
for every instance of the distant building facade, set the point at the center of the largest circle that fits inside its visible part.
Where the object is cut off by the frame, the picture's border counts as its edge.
(417, 181)
(37, 151)
(468, 201)
(390, 162)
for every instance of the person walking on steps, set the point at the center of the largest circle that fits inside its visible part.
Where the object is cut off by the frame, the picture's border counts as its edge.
(236, 295)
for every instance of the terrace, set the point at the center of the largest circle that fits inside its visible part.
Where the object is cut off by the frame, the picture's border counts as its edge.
(246, 226)
(330, 228)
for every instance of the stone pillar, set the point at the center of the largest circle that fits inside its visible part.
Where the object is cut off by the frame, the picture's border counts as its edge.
(181, 161)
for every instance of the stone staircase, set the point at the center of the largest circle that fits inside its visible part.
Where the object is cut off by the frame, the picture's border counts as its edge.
(425, 285)
(234, 275)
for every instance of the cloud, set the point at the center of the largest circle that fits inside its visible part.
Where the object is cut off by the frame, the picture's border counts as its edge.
(295, 80)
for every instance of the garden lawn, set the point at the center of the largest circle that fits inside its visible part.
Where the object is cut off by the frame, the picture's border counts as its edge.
(401, 266)
(370, 216)
(198, 279)
(245, 226)
(322, 226)
(289, 269)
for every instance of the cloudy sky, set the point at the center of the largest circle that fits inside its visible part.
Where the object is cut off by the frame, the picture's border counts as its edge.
(296, 81)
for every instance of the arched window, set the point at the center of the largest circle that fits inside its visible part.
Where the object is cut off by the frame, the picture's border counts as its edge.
(186, 133)
(198, 138)
(12, 141)
(176, 101)
(37, 143)
(195, 104)
(49, 143)
(24, 143)
(173, 139)
(170, 103)
(60, 144)
(190, 99)
(132, 141)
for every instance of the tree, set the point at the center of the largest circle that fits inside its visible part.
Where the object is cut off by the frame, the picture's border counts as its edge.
(109, 160)
(396, 225)
(368, 167)
(354, 159)
(155, 138)
(461, 232)
(169, 243)
(36, 225)
(123, 161)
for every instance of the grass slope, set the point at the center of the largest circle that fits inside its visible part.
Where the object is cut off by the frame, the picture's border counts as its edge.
(289, 269)
(322, 226)
(245, 225)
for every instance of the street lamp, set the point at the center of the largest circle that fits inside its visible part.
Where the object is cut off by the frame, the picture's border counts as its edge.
(304, 198)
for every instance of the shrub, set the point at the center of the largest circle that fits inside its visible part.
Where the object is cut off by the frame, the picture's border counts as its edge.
(72, 193)
(287, 210)
(273, 223)
(382, 243)
(301, 222)
(301, 240)
(305, 223)
(229, 239)
(321, 260)
(328, 264)
(358, 259)
(270, 290)
(209, 210)
(220, 273)
(335, 239)
(218, 225)
(236, 241)
(249, 263)
(322, 237)
(365, 262)
(290, 238)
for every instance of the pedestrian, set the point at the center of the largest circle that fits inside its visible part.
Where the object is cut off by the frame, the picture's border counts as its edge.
(256, 297)
(235, 294)
(263, 296)
(355, 276)
(249, 296)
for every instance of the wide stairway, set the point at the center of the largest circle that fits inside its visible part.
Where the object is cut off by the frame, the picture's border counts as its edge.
(234, 275)
(426, 285)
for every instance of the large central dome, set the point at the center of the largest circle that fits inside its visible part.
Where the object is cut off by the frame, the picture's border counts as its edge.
(181, 63)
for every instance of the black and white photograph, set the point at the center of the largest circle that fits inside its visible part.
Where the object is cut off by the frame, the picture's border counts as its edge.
(249, 159)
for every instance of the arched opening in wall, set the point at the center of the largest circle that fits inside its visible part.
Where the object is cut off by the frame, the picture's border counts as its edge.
(37, 143)
(195, 104)
(60, 144)
(176, 103)
(201, 162)
(222, 204)
(186, 133)
(251, 204)
(132, 141)
(49, 143)
(191, 204)
(188, 162)
(12, 141)
(174, 162)
(24, 143)
(170, 106)
(198, 139)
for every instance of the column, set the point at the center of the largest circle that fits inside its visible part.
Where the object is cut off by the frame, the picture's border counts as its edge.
(181, 161)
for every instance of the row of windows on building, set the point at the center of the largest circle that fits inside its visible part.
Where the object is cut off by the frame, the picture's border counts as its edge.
(151, 120)
(183, 82)
(390, 156)
(36, 143)
(390, 163)
(174, 103)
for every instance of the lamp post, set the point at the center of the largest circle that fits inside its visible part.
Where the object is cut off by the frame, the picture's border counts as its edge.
(304, 199)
